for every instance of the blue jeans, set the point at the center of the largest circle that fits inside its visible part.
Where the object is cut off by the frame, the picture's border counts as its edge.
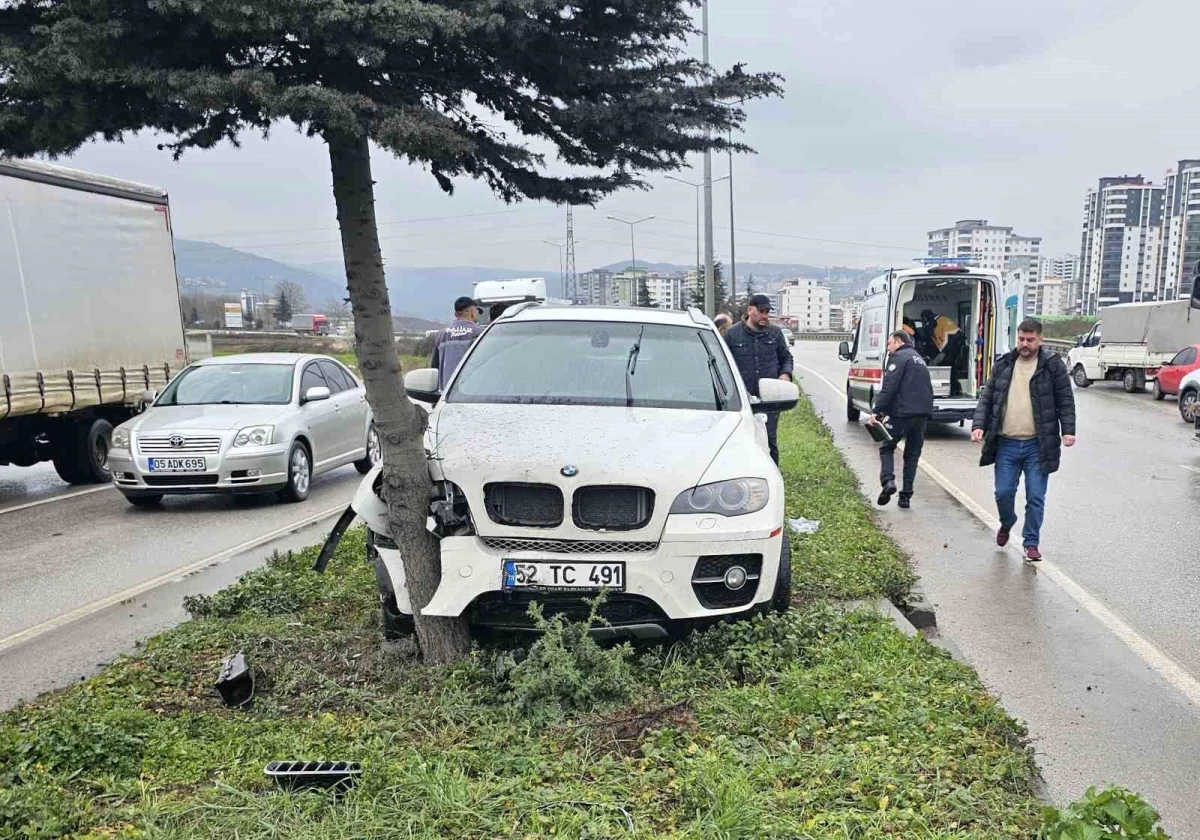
(1014, 457)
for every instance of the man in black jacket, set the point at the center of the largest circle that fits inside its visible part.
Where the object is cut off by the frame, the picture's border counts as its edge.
(761, 352)
(906, 401)
(1021, 412)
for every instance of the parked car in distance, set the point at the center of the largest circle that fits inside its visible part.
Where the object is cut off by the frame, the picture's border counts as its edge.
(255, 423)
(1171, 375)
(1189, 398)
(583, 450)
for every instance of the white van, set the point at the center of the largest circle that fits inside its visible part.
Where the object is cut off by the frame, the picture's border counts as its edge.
(968, 297)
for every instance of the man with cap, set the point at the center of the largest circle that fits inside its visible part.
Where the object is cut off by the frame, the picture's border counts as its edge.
(455, 340)
(761, 352)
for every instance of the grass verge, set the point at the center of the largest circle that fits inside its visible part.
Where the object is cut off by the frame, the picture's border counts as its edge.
(815, 724)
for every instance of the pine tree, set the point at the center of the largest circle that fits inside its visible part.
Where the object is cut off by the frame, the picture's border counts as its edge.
(643, 294)
(283, 307)
(606, 86)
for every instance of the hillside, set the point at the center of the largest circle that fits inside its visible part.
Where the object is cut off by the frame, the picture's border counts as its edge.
(208, 268)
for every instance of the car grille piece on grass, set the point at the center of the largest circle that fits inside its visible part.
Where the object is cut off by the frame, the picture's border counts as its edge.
(330, 775)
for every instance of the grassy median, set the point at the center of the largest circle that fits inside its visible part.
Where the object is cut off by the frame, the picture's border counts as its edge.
(816, 724)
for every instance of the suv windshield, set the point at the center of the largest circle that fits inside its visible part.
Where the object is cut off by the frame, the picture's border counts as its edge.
(598, 363)
(230, 385)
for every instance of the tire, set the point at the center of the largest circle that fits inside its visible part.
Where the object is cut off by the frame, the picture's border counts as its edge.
(374, 452)
(299, 474)
(1129, 381)
(1080, 378)
(1159, 393)
(82, 456)
(396, 625)
(852, 413)
(1189, 403)
(145, 500)
(781, 601)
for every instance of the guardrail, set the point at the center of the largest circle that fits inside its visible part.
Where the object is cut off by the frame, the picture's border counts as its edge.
(1060, 346)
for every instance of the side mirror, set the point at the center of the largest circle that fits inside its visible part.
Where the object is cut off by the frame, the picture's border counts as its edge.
(149, 396)
(776, 395)
(422, 385)
(844, 351)
(317, 393)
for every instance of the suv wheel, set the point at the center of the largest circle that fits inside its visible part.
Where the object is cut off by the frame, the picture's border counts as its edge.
(781, 601)
(1080, 376)
(852, 413)
(299, 474)
(1189, 402)
(374, 452)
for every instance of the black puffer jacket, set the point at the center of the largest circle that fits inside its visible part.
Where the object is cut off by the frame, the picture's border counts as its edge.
(1053, 407)
(760, 354)
(907, 390)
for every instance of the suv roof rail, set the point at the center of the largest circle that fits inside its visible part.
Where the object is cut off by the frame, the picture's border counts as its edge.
(698, 317)
(521, 306)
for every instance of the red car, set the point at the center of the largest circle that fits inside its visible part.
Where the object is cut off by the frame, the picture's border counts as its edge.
(1172, 373)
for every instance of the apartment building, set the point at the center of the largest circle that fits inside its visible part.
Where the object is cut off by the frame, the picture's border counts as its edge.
(1180, 250)
(808, 302)
(596, 288)
(1121, 243)
(987, 245)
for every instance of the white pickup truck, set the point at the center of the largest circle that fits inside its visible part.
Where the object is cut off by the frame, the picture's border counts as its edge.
(1131, 342)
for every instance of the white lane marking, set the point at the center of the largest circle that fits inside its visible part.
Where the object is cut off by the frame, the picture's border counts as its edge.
(1190, 469)
(155, 582)
(1160, 662)
(58, 498)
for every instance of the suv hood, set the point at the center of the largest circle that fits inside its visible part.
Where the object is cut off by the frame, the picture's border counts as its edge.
(666, 450)
(204, 417)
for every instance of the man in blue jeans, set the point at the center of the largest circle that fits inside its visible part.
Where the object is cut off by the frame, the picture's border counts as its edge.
(1025, 416)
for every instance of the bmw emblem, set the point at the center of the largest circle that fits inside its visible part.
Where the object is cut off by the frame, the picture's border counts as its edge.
(176, 441)
(569, 471)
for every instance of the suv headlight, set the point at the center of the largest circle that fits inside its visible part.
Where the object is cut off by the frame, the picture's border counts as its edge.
(255, 436)
(120, 439)
(736, 497)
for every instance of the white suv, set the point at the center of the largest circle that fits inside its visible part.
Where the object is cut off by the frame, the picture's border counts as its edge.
(579, 450)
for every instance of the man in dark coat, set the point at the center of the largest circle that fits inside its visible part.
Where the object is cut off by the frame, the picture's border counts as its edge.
(906, 400)
(761, 352)
(1025, 416)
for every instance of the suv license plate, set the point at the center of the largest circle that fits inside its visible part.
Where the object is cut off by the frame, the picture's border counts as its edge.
(563, 577)
(177, 465)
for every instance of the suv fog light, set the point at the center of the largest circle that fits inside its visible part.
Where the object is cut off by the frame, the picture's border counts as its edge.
(735, 578)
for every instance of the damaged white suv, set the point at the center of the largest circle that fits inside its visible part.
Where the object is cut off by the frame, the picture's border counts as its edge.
(579, 450)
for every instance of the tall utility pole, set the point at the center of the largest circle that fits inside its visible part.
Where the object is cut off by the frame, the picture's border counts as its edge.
(732, 232)
(562, 275)
(572, 280)
(632, 251)
(710, 280)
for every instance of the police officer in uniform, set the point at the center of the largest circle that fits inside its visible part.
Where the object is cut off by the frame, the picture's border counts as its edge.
(903, 405)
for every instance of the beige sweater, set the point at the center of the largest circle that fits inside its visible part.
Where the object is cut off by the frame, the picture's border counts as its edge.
(1018, 411)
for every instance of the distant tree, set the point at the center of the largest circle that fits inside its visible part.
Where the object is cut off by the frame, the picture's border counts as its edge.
(194, 318)
(698, 298)
(295, 295)
(283, 306)
(643, 295)
(445, 84)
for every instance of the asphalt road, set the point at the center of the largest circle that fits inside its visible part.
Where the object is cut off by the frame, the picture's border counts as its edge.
(1098, 650)
(84, 575)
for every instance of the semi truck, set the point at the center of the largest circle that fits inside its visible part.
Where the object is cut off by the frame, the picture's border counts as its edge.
(1131, 342)
(311, 324)
(90, 322)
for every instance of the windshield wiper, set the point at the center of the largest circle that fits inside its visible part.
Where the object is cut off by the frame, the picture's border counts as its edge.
(631, 367)
(720, 389)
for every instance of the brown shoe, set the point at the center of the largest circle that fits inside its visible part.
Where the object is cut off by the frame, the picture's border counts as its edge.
(1032, 554)
(1002, 537)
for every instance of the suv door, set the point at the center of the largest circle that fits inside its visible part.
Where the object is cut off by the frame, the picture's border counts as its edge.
(352, 406)
(322, 418)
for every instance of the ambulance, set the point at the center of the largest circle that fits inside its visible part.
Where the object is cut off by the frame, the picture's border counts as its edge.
(954, 313)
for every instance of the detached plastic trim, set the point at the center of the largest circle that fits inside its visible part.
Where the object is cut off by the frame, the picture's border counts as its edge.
(298, 775)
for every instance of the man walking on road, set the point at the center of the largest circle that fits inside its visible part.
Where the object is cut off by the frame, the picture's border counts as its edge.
(761, 353)
(904, 405)
(1023, 408)
(455, 340)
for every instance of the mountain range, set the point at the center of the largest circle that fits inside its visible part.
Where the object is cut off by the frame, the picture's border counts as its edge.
(428, 292)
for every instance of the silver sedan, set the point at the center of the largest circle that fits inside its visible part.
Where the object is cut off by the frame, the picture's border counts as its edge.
(255, 423)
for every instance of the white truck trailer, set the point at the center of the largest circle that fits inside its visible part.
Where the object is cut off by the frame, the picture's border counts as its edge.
(90, 323)
(1131, 341)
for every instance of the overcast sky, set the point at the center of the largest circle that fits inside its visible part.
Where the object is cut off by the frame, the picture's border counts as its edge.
(900, 116)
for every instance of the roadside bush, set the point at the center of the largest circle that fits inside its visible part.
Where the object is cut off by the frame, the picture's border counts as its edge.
(285, 585)
(1111, 814)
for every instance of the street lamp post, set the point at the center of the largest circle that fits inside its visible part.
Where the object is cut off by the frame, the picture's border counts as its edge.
(698, 187)
(732, 231)
(632, 248)
(562, 274)
(710, 280)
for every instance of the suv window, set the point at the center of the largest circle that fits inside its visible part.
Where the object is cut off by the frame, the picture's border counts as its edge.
(595, 363)
(334, 376)
(1186, 356)
(312, 378)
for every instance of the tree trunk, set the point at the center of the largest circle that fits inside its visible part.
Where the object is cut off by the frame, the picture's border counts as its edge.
(401, 425)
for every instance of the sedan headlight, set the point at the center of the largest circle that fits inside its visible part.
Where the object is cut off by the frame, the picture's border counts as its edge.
(255, 436)
(736, 497)
(120, 438)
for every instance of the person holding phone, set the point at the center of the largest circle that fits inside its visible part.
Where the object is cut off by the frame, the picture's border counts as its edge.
(903, 406)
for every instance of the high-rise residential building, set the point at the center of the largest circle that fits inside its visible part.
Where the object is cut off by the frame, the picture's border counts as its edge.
(667, 291)
(1180, 249)
(1064, 268)
(596, 288)
(1120, 245)
(1048, 295)
(986, 245)
(808, 302)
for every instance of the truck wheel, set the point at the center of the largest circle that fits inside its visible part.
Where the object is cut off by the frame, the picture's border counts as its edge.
(374, 452)
(299, 474)
(1159, 393)
(1189, 401)
(1129, 381)
(781, 601)
(1079, 375)
(82, 455)
(852, 413)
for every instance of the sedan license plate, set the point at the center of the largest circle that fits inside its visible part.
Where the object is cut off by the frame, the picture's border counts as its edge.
(177, 465)
(563, 577)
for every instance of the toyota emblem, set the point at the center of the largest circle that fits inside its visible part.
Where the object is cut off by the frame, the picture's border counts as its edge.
(569, 471)
(176, 441)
